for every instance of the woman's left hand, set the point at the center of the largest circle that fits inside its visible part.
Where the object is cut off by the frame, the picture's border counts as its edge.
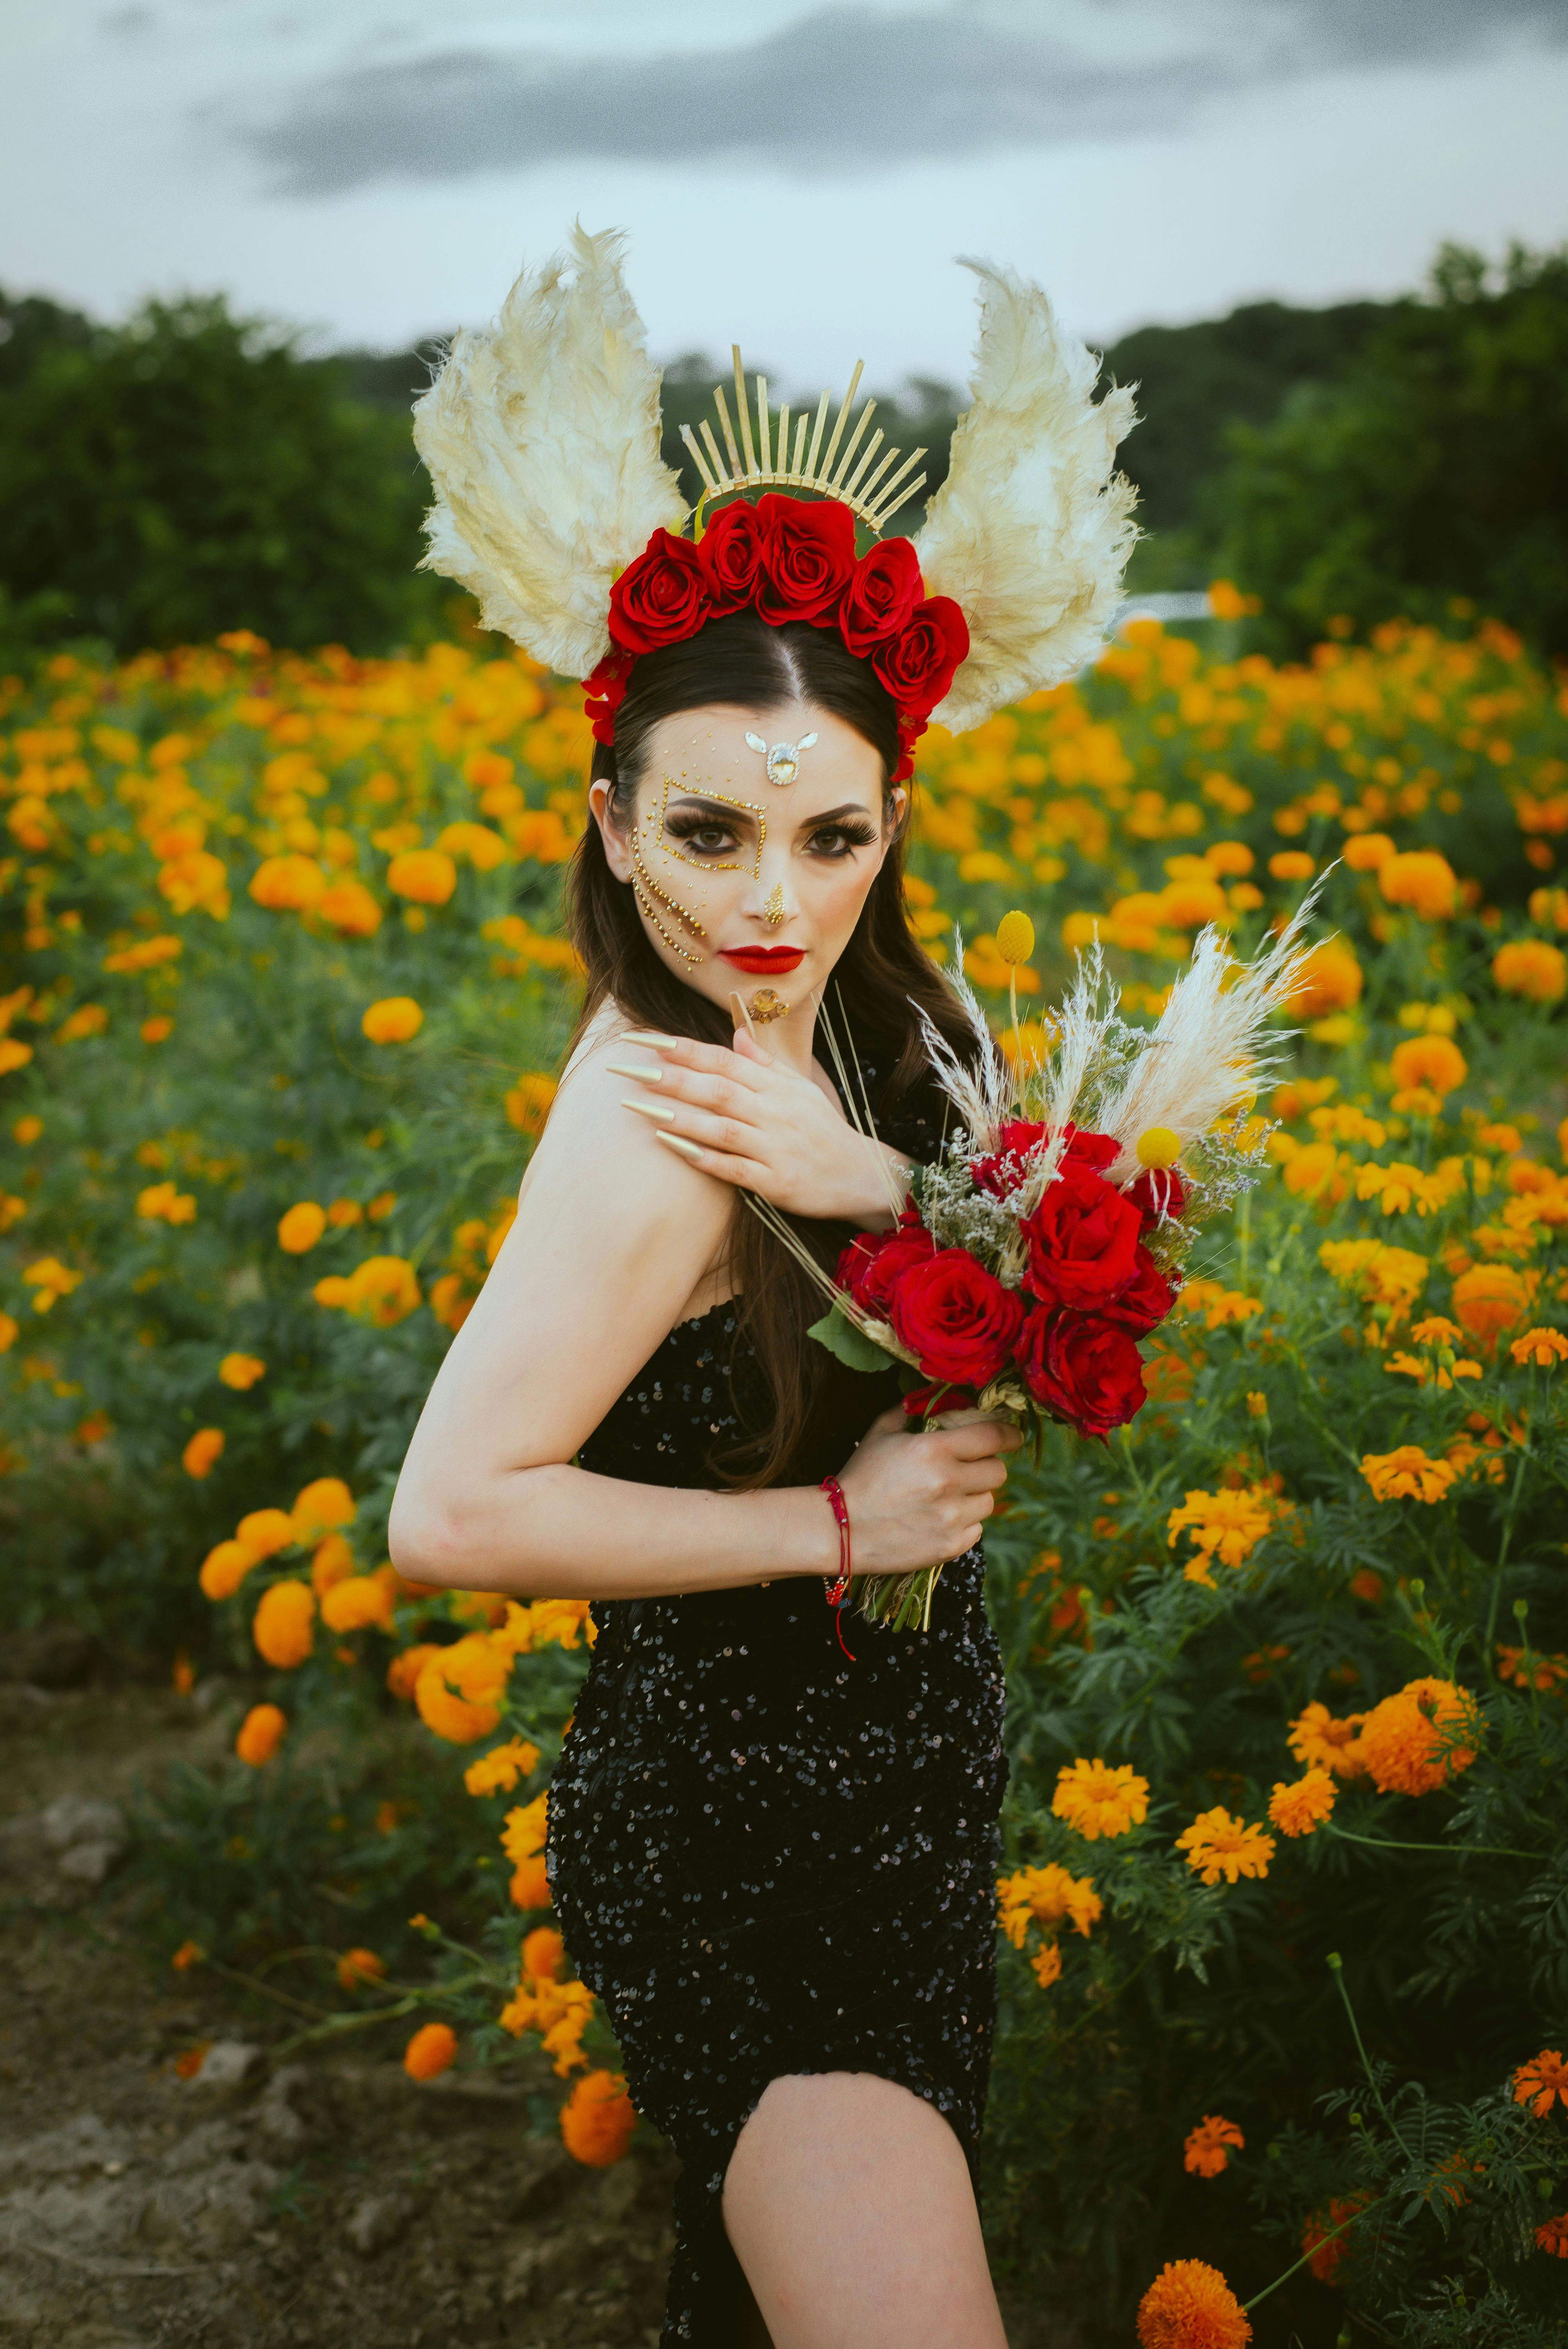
(738, 1115)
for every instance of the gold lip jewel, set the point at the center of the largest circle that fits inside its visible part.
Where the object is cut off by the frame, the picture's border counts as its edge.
(783, 759)
(766, 1006)
(773, 913)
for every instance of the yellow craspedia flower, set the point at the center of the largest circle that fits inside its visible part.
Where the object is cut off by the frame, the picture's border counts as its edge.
(266, 1531)
(1097, 1800)
(526, 1105)
(427, 877)
(1015, 937)
(300, 1229)
(1159, 1147)
(320, 1508)
(393, 1021)
(262, 1732)
(284, 1625)
(429, 2051)
(242, 1371)
(203, 1452)
(1531, 967)
(1299, 1806)
(224, 1568)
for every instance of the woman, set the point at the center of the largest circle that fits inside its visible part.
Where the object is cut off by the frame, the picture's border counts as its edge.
(773, 1859)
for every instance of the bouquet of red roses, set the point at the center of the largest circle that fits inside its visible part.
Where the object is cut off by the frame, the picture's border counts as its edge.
(1048, 1238)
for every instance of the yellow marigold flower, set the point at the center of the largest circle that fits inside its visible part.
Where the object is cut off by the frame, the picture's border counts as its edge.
(1257, 1404)
(145, 955)
(523, 1832)
(332, 1562)
(1046, 1965)
(382, 1290)
(301, 1227)
(1043, 1896)
(343, 1212)
(1417, 1740)
(1489, 1300)
(1434, 1061)
(1225, 1525)
(429, 2051)
(26, 1130)
(460, 1689)
(347, 906)
(497, 1772)
(1367, 852)
(240, 1371)
(283, 1627)
(428, 876)
(483, 848)
(1544, 1348)
(557, 1622)
(1406, 1473)
(1015, 937)
(1217, 1845)
(1422, 880)
(542, 1952)
(393, 1021)
(158, 1030)
(1097, 1800)
(1206, 2151)
(163, 1203)
(14, 1054)
(1541, 2082)
(87, 1020)
(321, 1507)
(403, 1671)
(356, 1602)
(1314, 1172)
(1399, 1187)
(359, 1968)
(203, 1452)
(288, 883)
(1530, 966)
(526, 1105)
(1299, 1808)
(597, 2120)
(9, 1332)
(1293, 864)
(261, 1733)
(1190, 2306)
(225, 1567)
(265, 1531)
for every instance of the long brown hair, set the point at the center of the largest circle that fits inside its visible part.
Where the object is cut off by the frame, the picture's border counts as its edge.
(881, 979)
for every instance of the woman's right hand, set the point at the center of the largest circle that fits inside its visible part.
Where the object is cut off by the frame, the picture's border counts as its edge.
(919, 1500)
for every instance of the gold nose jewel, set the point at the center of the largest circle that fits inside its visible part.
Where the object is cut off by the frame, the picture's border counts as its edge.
(773, 913)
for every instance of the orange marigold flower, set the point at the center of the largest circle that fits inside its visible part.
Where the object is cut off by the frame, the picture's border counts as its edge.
(1097, 1800)
(347, 907)
(460, 1689)
(283, 1627)
(332, 1561)
(1435, 1061)
(189, 1954)
(1552, 2236)
(358, 1967)
(265, 1531)
(429, 2051)
(382, 1290)
(597, 2120)
(203, 1452)
(262, 1732)
(1489, 1300)
(1530, 966)
(403, 1671)
(1225, 1525)
(1045, 1895)
(1541, 2081)
(189, 2060)
(1205, 2152)
(427, 877)
(1544, 1348)
(497, 1772)
(321, 1508)
(1217, 1845)
(301, 1227)
(240, 1371)
(1366, 852)
(1327, 2234)
(1422, 880)
(1328, 979)
(526, 1105)
(1405, 1474)
(1528, 1668)
(357, 1602)
(225, 1567)
(1415, 1741)
(1190, 2306)
(1299, 1808)
(1047, 1964)
(393, 1021)
(542, 1953)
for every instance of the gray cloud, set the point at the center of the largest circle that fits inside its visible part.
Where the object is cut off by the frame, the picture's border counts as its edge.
(841, 90)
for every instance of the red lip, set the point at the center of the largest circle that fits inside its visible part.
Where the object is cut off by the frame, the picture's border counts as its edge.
(768, 961)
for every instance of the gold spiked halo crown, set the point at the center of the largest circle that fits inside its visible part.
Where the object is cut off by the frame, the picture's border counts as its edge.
(874, 496)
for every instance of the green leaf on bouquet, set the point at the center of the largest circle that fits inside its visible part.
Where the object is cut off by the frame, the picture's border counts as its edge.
(841, 1337)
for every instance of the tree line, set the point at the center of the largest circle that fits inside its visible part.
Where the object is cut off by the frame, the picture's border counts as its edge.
(189, 471)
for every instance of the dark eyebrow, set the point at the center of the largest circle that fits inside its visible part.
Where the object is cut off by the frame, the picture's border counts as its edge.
(833, 815)
(725, 810)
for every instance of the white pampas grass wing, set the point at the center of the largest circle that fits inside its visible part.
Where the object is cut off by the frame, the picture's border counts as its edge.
(541, 438)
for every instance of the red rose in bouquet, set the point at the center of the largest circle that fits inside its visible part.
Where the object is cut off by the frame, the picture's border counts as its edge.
(730, 551)
(808, 558)
(1082, 1238)
(957, 1318)
(874, 1262)
(918, 664)
(1147, 1299)
(1158, 1191)
(661, 598)
(1002, 1169)
(1083, 1370)
(879, 599)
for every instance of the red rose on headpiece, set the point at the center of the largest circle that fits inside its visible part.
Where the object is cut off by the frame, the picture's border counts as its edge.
(879, 599)
(730, 552)
(957, 1318)
(874, 1262)
(917, 666)
(1147, 1299)
(1083, 1370)
(1083, 1239)
(604, 691)
(661, 598)
(808, 558)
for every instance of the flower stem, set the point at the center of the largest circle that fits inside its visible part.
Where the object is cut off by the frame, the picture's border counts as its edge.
(1332, 2236)
(1336, 1966)
(1450, 1851)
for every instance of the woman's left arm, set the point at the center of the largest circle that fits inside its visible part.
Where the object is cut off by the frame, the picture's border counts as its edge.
(748, 1119)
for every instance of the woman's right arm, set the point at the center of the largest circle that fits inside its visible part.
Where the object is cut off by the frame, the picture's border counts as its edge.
(613, 1235)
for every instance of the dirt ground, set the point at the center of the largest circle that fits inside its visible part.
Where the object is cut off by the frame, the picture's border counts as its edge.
(259, 2205)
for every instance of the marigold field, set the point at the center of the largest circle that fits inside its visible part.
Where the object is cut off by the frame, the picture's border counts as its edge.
(1283, 1933)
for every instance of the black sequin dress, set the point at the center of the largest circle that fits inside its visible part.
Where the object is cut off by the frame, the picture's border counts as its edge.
(765, 1858)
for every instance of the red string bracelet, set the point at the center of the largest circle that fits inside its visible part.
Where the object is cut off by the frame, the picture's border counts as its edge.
(838, 1590)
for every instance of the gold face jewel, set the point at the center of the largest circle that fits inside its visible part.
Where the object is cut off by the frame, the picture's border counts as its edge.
(710, 863)
(766, 1006)
(783, 758)
(645, 888)
(773, 913)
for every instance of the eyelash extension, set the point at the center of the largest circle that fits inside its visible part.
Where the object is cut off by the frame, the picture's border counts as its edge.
(856, 835)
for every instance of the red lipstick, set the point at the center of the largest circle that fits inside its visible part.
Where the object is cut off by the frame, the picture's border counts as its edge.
(767, 962)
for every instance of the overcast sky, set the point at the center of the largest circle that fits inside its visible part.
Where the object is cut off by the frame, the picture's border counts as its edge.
(798, 178)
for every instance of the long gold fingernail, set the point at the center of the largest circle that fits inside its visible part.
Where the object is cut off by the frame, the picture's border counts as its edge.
(654, 1076)
(742, 1017)
(660, 1110)
(678, 1142)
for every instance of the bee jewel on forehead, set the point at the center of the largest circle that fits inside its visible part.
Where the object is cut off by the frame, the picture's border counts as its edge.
(783, 758)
